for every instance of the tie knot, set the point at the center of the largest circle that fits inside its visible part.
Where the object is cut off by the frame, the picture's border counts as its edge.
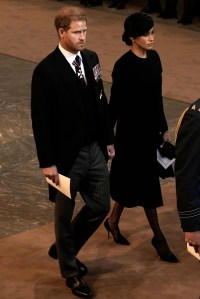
(78, 60)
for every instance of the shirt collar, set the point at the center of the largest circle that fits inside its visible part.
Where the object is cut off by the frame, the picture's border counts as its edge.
(68, 55)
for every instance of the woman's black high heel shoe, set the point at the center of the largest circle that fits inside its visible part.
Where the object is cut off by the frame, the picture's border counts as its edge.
(120, 239)
(170, 258)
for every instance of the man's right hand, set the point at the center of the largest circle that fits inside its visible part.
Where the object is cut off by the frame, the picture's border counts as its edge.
(52, 174)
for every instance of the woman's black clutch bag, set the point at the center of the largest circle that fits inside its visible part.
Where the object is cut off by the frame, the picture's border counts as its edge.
(166, 149)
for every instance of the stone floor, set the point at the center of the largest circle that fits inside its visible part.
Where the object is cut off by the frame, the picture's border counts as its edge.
(23, 190)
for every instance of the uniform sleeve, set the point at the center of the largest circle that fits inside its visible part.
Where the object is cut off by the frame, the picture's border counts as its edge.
(187, 170)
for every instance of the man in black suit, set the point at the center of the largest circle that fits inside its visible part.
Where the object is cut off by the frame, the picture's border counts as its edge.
(74, 138)
(187, 174)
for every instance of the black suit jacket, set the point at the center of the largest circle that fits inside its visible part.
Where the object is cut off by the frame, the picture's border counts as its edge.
(57, 110)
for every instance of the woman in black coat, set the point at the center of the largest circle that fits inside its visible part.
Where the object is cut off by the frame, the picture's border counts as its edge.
(136, 108)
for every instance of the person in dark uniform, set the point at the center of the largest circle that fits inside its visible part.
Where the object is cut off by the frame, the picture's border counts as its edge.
(191, 9)
(152, 7)
(187, 174)
(136, 109)
(170, 10)
(118, 4)
(91, 3)
(74, 138)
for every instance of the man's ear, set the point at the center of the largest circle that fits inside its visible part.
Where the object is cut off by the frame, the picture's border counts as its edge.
(61, 32)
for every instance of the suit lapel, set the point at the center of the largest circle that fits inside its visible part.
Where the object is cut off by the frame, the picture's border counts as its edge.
(71, 85)
(64, 68)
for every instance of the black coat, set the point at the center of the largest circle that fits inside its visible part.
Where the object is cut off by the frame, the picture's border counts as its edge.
(136, 108)
(58, 110)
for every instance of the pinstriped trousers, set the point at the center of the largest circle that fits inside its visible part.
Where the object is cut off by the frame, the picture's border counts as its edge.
(90, 177)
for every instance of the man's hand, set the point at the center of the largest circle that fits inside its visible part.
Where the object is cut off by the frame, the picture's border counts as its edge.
(52, 174)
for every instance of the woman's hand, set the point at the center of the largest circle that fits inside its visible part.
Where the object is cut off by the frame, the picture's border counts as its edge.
(166, 136)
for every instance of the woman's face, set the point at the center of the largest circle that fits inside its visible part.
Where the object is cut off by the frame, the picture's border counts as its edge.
(145, 41)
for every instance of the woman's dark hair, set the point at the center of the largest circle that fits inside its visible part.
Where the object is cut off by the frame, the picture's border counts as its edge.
(137, 24)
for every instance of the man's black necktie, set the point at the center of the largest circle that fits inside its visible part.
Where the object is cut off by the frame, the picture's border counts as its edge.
(77, 64)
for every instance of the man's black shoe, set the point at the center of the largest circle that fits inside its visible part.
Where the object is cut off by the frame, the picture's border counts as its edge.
(79, 287)
(81, 267)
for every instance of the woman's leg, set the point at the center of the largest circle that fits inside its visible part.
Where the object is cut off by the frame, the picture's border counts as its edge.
(159, 241)
(152, 218)
(112, 224)
(115, 217)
